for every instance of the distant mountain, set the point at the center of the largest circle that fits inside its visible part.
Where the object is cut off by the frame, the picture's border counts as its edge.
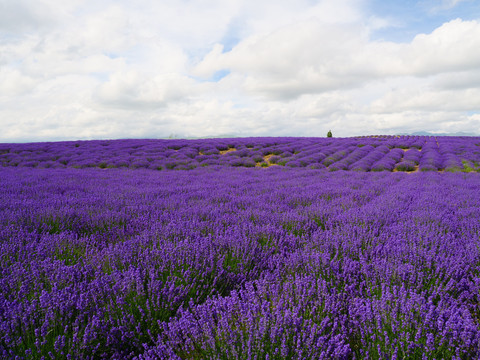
(427, 133)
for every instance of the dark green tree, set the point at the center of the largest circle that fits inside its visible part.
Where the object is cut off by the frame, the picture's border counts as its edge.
(329, 134)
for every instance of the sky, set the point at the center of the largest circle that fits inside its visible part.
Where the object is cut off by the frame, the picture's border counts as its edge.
(105, 69)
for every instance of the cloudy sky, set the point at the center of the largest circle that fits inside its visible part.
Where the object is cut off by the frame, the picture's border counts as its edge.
(106, 69)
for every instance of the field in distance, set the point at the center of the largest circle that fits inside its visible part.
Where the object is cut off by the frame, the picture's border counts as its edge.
(372, 153)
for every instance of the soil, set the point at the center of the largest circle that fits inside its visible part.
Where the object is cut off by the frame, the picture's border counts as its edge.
(227, 151)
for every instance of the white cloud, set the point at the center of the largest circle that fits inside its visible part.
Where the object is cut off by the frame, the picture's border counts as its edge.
(21, 16)
(146, 69)
(427, 100)
(451, 47)
(300, 58)
(136, 90)
(313, 57)
(13, 82)
(469, 79)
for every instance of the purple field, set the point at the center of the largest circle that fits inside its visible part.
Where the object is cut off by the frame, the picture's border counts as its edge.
(375, 153)
(266, 248)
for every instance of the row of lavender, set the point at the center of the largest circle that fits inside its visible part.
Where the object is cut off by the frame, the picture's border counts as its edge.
(239, 263)
(386, 153)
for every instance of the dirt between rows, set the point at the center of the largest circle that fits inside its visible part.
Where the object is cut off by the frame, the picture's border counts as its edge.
(227, 151)
(266, 159)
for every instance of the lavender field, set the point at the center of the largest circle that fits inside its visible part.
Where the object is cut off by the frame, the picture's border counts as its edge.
(376, 153)
(258, 248)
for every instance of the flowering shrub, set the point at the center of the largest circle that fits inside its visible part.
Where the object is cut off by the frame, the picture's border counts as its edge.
(427, 167)
(274, 159)
(412, 155)
(340, 165)
(405, 166)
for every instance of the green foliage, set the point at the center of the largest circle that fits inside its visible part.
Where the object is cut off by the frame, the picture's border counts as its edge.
(405, 166)
(453, 169)
(469, 166)
(329, 161)
(329, 134)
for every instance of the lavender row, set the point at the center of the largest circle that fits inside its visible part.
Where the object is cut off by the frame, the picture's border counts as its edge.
(384, 153)
(277, 263)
